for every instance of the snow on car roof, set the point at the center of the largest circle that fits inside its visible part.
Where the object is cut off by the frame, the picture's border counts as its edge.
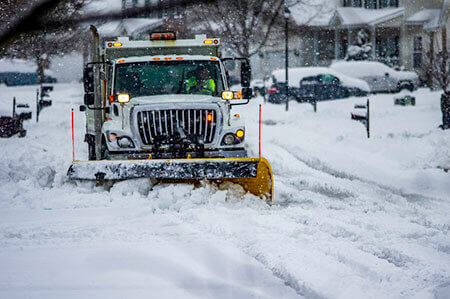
(362, 69)
(297, 74)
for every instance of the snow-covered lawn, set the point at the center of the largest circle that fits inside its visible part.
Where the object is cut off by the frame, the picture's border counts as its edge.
(353, 217)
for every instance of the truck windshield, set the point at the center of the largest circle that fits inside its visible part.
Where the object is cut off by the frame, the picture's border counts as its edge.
(169, 77)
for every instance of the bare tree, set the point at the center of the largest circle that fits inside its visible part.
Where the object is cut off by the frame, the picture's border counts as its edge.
(246, 25)
(441, 67)
(41, 45)
(438, 67)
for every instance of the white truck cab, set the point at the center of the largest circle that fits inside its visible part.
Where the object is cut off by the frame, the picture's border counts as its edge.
(164, 98)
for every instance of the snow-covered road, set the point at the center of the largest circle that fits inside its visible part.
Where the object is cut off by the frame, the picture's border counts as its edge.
(353, 218)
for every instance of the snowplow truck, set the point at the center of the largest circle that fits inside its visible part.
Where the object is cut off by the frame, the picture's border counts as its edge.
(161, 109)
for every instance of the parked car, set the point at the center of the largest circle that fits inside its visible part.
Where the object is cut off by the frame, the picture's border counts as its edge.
(258, 86)
(9, 126)
(379, 76)
(277, 93)
(319, 83)
(17, 78)
(15, 72)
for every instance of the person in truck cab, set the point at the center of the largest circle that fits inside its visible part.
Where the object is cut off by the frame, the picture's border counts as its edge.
(201, 83)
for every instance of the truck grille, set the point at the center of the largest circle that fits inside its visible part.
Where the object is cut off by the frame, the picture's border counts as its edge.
(163, 124)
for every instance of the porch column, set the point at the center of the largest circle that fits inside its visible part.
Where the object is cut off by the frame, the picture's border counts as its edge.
(373, 40)
(336, 43)
(349, 38)
(430, 69)
(316, 47)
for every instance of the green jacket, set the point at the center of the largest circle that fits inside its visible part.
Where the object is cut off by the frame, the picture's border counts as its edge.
(208, 86)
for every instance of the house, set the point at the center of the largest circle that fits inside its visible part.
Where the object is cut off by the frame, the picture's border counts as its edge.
(136, 28)
(400, 30)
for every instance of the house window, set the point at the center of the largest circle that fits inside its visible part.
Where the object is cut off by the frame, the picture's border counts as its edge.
(388, 46)
(393, 3)
(372, 4)
(353, 3)
(325, 46)
(388, 3)
(418, 52)
(384, 3)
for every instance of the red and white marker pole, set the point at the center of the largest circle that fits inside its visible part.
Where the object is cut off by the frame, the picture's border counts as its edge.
(73, 140)
(260, 130)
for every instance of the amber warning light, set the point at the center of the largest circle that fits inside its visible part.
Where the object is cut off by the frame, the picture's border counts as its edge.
(163, 36)
(116, 44)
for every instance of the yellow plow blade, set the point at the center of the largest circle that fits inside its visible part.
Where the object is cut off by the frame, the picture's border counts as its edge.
(262, 184)
(253, 174)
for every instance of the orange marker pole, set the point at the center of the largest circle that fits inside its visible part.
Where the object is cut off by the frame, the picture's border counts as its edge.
(260, 130)
(73, 140)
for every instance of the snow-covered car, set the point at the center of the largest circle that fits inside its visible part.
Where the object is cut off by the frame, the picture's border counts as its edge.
(258, 86)
(379, 76)
(14, 72)
(320, 83)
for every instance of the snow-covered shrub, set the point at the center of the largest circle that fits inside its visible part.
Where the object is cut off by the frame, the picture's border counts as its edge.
(362, 49)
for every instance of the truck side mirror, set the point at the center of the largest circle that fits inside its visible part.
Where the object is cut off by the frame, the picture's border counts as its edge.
(88, 79)
(246, 74)
(89, 99)
(247, 93)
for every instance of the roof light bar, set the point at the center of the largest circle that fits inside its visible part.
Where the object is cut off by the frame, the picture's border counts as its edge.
(163, 36)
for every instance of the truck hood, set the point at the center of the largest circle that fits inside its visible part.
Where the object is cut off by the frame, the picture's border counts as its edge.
(176, 98)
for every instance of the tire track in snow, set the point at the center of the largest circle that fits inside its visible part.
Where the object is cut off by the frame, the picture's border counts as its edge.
(391, 255)
(318, 165)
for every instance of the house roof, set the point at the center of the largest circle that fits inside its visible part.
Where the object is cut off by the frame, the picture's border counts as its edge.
(355, 16)
(440, 20)
(424, 16)
(429, 18)
(130, 26)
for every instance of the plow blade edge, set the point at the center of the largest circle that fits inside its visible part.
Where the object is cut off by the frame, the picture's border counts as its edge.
(253, 174)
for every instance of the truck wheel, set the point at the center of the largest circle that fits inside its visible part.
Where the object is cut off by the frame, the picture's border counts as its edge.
(104, 150)
(91, 151)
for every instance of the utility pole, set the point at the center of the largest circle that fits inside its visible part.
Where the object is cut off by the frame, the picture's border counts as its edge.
(98, 113)
(287, 14)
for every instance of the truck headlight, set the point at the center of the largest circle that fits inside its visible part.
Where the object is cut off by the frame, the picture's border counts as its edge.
(123, 98)
(125, 142)
(227, 95)
(228, 139)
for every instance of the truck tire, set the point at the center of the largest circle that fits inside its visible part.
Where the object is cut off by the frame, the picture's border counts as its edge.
(91, 151)
(90, 140)
(104, 150)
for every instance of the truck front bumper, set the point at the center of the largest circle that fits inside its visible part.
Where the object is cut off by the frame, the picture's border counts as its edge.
(207, 153)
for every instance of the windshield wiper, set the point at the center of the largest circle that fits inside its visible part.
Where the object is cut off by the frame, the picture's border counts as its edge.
(181, 82)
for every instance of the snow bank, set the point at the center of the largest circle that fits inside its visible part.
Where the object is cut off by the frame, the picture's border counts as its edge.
(297, 74)
(353, 217)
